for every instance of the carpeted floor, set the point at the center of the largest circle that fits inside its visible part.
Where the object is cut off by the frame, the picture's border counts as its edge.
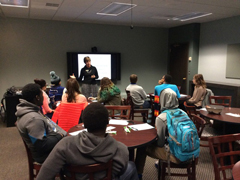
(14, 165)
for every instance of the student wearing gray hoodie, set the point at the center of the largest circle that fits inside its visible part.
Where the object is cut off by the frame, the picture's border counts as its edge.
(157, 150)
(33, 125)
(93, 146)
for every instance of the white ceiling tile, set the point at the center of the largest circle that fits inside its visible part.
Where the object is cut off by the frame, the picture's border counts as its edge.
(152, 13)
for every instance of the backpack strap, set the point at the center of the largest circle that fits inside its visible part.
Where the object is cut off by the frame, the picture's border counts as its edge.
(174, 139)
(168, 158)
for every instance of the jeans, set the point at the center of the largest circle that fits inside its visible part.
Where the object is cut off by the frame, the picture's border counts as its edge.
(130, 173)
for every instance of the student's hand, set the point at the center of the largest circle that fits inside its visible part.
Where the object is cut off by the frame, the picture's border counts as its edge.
(91, 98)
(93, 76)
(161, 81)
(72, 76)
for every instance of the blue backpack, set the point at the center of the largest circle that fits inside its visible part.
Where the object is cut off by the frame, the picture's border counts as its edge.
(183, 137)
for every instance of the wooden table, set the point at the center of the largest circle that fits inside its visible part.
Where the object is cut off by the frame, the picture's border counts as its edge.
(223, 117)
(236, 171)
(132, 140)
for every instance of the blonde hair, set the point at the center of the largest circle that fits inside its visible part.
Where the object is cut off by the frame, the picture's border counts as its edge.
(199, 80)
(105, 83)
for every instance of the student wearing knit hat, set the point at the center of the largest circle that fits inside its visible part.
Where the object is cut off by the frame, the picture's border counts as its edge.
(56, 88)
(89, 147)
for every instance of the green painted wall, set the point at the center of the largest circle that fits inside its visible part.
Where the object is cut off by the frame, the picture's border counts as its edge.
(32, 48)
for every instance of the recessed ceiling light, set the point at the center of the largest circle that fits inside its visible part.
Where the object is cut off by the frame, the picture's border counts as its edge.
(114, 9)
(190, 16)
(15, 3)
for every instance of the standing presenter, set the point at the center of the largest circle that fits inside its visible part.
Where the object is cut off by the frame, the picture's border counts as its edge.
(88, 76)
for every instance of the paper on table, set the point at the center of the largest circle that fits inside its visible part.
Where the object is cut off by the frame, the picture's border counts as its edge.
(77, 132)
(203, 109)
(183, 95)
(110, 128)
(140, 127)
(232, 114)
(118, 122)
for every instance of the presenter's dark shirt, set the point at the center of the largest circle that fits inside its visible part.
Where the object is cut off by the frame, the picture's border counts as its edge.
(86, 73)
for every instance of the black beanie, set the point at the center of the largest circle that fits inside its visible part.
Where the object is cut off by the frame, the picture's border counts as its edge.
(95, 117)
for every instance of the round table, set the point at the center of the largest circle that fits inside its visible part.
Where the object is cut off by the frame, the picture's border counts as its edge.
(134, 139)
(224, 118)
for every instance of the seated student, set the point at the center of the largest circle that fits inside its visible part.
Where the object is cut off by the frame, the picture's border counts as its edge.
(199, 91)
(46, 101)
(73, 94)
(168, 100)
(137, 93)
(109, 93)
(33, 126)
(165, 83)
(90, 147)
(56, 88)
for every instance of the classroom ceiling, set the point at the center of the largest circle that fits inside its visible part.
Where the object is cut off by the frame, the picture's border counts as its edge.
(147, 13)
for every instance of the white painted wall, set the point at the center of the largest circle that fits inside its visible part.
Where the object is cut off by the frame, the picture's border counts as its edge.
(214, 38)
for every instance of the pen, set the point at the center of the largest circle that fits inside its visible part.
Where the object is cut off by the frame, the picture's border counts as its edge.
(133, 128)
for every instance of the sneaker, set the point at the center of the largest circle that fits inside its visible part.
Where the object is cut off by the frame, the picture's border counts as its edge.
(156, 164)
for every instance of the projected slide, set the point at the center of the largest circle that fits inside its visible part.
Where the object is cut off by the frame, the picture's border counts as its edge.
(101, 61)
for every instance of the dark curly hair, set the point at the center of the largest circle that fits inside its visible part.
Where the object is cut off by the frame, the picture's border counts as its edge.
(95, 117)
(40, 82)
(30, 91)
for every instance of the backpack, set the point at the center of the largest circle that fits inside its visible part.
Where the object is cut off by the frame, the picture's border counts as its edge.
(183, 136)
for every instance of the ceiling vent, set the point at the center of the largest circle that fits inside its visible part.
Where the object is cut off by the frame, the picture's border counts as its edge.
(52, 4)
(190, 16)
(116, 8)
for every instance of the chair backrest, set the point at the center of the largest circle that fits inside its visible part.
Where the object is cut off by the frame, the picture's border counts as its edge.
(124, 111)
(223, 154)
(130, 102)
(129, 99)
(190, 110)
(33, 168)
(199, 123)
(206, 98)
(68, 114)
(90, 170)
(221, 100)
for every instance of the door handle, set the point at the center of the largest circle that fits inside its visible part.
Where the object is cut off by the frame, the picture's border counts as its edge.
(184, 79)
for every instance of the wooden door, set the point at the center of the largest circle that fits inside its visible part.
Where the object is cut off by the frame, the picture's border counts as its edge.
(178, 65)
